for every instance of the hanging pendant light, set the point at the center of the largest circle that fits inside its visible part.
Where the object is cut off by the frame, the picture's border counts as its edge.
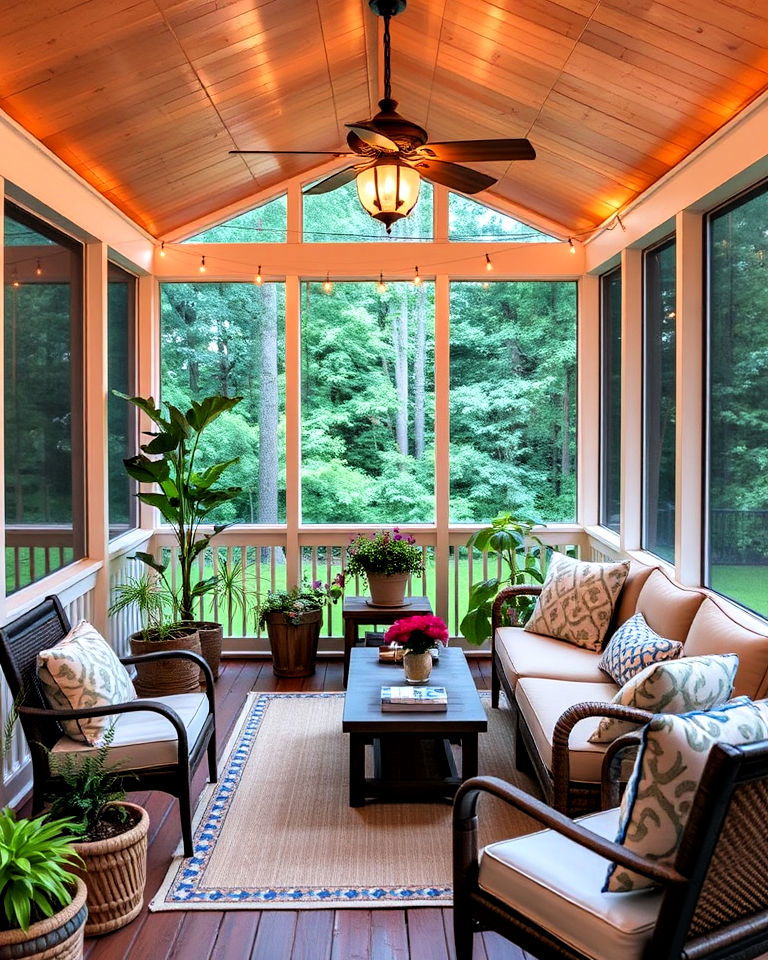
(388, 191)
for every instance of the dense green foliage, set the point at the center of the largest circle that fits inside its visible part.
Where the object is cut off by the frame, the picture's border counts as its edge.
(299, 600)
(384, 551)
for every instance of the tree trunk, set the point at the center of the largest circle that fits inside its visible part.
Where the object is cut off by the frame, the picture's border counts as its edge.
(268, 407)
(400, 345)
(419, 373)
(565, 448)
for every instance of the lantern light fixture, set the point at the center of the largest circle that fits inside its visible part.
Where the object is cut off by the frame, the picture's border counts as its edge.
(388, 190)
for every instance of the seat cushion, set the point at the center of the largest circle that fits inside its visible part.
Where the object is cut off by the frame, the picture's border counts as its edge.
(674, 686)
(716, 631)
(668, 608)
(557, 883)
(541, 703)
(526, 654)
(633, 647)
(577, 600)
(145, 739)
(82, 670)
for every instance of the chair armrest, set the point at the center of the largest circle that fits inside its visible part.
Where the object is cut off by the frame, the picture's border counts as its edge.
(561, 760)
(179, 655)
(610, 773)
(465, 830)
(521, 590)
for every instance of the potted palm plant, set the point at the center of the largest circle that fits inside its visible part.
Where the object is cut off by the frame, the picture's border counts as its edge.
(386, 559)
(186, 495)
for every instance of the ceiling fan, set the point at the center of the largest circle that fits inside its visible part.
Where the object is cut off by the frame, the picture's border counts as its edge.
(393, 153)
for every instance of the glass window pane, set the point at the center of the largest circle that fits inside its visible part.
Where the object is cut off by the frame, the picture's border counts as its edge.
(43, 400)
(470, 220)
(367, 425)
(121, 419)
(659, 384)
(228, 338)
(265, 224)
(513, 400)
(338, 217)
(610, 400)
(738, 402)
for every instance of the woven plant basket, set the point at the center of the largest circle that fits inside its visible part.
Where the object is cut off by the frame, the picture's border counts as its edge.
(59, 937)
(165, 677)
(211, 642)
(115, 873)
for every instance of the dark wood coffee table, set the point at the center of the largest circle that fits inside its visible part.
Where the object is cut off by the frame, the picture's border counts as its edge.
(412, 756)
(356, 611)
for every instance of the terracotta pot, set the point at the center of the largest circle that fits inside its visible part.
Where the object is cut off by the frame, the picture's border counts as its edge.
(115, 873)
(165, 677)
(417, 666)
(211, 642)
(294, 645)
(387, 589)
(59, 937)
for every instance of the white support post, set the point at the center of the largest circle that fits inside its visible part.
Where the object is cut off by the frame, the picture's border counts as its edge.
(292, 428)
(442, 442)
(96, 385)
(689, 376)
(631, 398)
(294, 213)
(588, 405)
(147, 378)
(439, 214)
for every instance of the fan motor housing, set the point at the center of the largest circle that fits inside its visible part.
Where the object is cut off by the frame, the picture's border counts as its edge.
(387, 8)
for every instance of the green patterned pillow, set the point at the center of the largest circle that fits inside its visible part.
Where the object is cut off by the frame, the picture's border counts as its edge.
(84, 671)
(662, 789)
(672, 686)
(577, 600)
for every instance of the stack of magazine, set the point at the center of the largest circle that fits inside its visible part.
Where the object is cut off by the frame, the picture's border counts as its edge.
(416, 699)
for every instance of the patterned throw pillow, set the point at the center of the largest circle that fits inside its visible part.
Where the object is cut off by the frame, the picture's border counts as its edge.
(633, 647)
(666, 775)
(84, 671)
(673, 686)
(577, 600)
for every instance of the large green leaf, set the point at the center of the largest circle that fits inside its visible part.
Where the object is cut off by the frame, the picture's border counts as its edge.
(161, 443)
(150, 561)
(203, 413)
(476, 625)
(163, 504)
(147, 405)
(144, 470)
(482, 591)
(211, 475)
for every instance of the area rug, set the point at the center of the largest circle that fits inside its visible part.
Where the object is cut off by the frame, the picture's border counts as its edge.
(276, 831)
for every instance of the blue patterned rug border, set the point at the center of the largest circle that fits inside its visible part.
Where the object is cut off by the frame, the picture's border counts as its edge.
(182, 888)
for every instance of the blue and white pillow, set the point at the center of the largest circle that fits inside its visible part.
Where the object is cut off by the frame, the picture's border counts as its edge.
(662, 789)
(635, 646)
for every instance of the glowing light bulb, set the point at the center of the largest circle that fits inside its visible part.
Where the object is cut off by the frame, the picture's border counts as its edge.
(571, 245)
(162, 248)
(259, 279)
(416, 277)
(38, 269)
(488, 264)
(203, 267)
(381, 287)
(485, 284)
(327, 285)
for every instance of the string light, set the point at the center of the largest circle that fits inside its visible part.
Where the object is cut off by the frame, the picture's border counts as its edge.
(162, 248)
(15, 279)
(203, 267)
(488, 264)
(571, 245)
(381, 287)
(327, 285)
(259, 279)
(416, 277)
(38, 269)
(485, 284)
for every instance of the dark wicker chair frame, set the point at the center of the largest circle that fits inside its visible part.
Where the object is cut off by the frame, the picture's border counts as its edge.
(572, 797)
(714, 899)
(43, 627)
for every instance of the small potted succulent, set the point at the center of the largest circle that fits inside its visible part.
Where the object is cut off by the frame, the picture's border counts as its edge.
(292, 619)
(386, 559)
(417, 636)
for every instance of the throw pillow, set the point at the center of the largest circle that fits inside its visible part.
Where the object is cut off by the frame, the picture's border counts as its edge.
(672, 686)
(633, 647)
(577, 600)
(84, 671)
(662, 788)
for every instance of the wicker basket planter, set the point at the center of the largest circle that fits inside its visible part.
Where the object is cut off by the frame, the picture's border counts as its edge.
(294, 645)
(59, 937)
(211, 642)
(115, 873)
(165, 677)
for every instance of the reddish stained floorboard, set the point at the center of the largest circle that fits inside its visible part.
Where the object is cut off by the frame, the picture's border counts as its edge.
(355, 934)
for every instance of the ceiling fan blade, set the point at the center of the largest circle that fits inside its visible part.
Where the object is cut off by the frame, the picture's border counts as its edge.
(285, 153)
(480, 150)
(333, 182)
(368, 134)
(453, 176)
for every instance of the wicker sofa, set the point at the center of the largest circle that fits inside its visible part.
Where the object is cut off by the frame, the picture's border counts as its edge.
(558, 693)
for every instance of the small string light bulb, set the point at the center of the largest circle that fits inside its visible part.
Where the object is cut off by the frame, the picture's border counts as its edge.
(571, 245)
(203, 267)
(259, 278)
(416, 277)
(327, 285)
(381, 287)
(162, 248)
(485, 285)
(15, 279)
(488, 264)
(38, 269)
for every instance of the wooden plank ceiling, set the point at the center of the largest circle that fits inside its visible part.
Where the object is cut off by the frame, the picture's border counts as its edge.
(144, 98)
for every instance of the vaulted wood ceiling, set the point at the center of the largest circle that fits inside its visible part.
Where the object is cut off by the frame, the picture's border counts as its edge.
(144, 98)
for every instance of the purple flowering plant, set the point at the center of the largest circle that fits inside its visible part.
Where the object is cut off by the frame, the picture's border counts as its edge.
(311, 595)
(384, 551)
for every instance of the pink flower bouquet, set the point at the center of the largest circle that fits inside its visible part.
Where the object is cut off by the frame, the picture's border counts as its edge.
(418, 634)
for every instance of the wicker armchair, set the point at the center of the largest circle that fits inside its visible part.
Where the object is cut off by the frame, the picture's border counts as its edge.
(43, 627)
(711, 905)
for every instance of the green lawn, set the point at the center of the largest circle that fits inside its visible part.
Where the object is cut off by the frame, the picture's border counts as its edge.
(746, 585)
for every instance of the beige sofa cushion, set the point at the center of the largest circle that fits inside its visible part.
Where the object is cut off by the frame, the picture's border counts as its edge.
(541, 703)
(626, 605)
(715, 631)
(526, 654)
(668, 609)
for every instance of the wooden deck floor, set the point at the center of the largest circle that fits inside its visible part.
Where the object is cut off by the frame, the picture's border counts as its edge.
(417, 934)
